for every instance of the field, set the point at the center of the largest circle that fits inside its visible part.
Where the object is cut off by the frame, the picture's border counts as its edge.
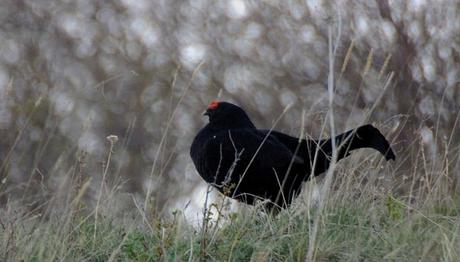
(360, 221)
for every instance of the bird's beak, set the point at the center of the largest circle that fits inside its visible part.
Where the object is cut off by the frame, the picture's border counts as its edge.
(206, 113)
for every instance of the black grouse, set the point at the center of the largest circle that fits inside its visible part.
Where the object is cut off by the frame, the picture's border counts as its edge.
(246, 163)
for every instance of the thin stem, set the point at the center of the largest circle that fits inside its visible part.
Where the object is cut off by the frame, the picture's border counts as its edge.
(330, 172)
(96, 212)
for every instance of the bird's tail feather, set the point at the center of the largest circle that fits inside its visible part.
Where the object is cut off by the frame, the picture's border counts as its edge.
(365, 136)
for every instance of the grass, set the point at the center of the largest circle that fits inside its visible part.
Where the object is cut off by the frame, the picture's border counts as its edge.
(360, 222)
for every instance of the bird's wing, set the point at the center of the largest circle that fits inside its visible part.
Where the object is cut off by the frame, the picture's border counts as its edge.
(246, 147)
(302, 147)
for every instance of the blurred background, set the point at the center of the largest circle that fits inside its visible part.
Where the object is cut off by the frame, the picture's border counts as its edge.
(73, 72)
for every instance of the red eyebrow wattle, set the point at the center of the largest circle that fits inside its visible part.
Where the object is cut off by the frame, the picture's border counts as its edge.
(213, 105)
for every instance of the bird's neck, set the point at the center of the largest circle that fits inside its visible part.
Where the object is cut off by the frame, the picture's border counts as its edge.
(234, 121)
(231, 124)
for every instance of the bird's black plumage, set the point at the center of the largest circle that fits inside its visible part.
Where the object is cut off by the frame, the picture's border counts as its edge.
(247, 163)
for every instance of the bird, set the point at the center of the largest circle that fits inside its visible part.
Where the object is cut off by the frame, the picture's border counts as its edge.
(250, 164)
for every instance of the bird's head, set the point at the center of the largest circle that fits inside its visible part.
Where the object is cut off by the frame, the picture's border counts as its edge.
(227, 115)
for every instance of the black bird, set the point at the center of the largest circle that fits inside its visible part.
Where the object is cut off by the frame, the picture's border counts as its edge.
(246, 163)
